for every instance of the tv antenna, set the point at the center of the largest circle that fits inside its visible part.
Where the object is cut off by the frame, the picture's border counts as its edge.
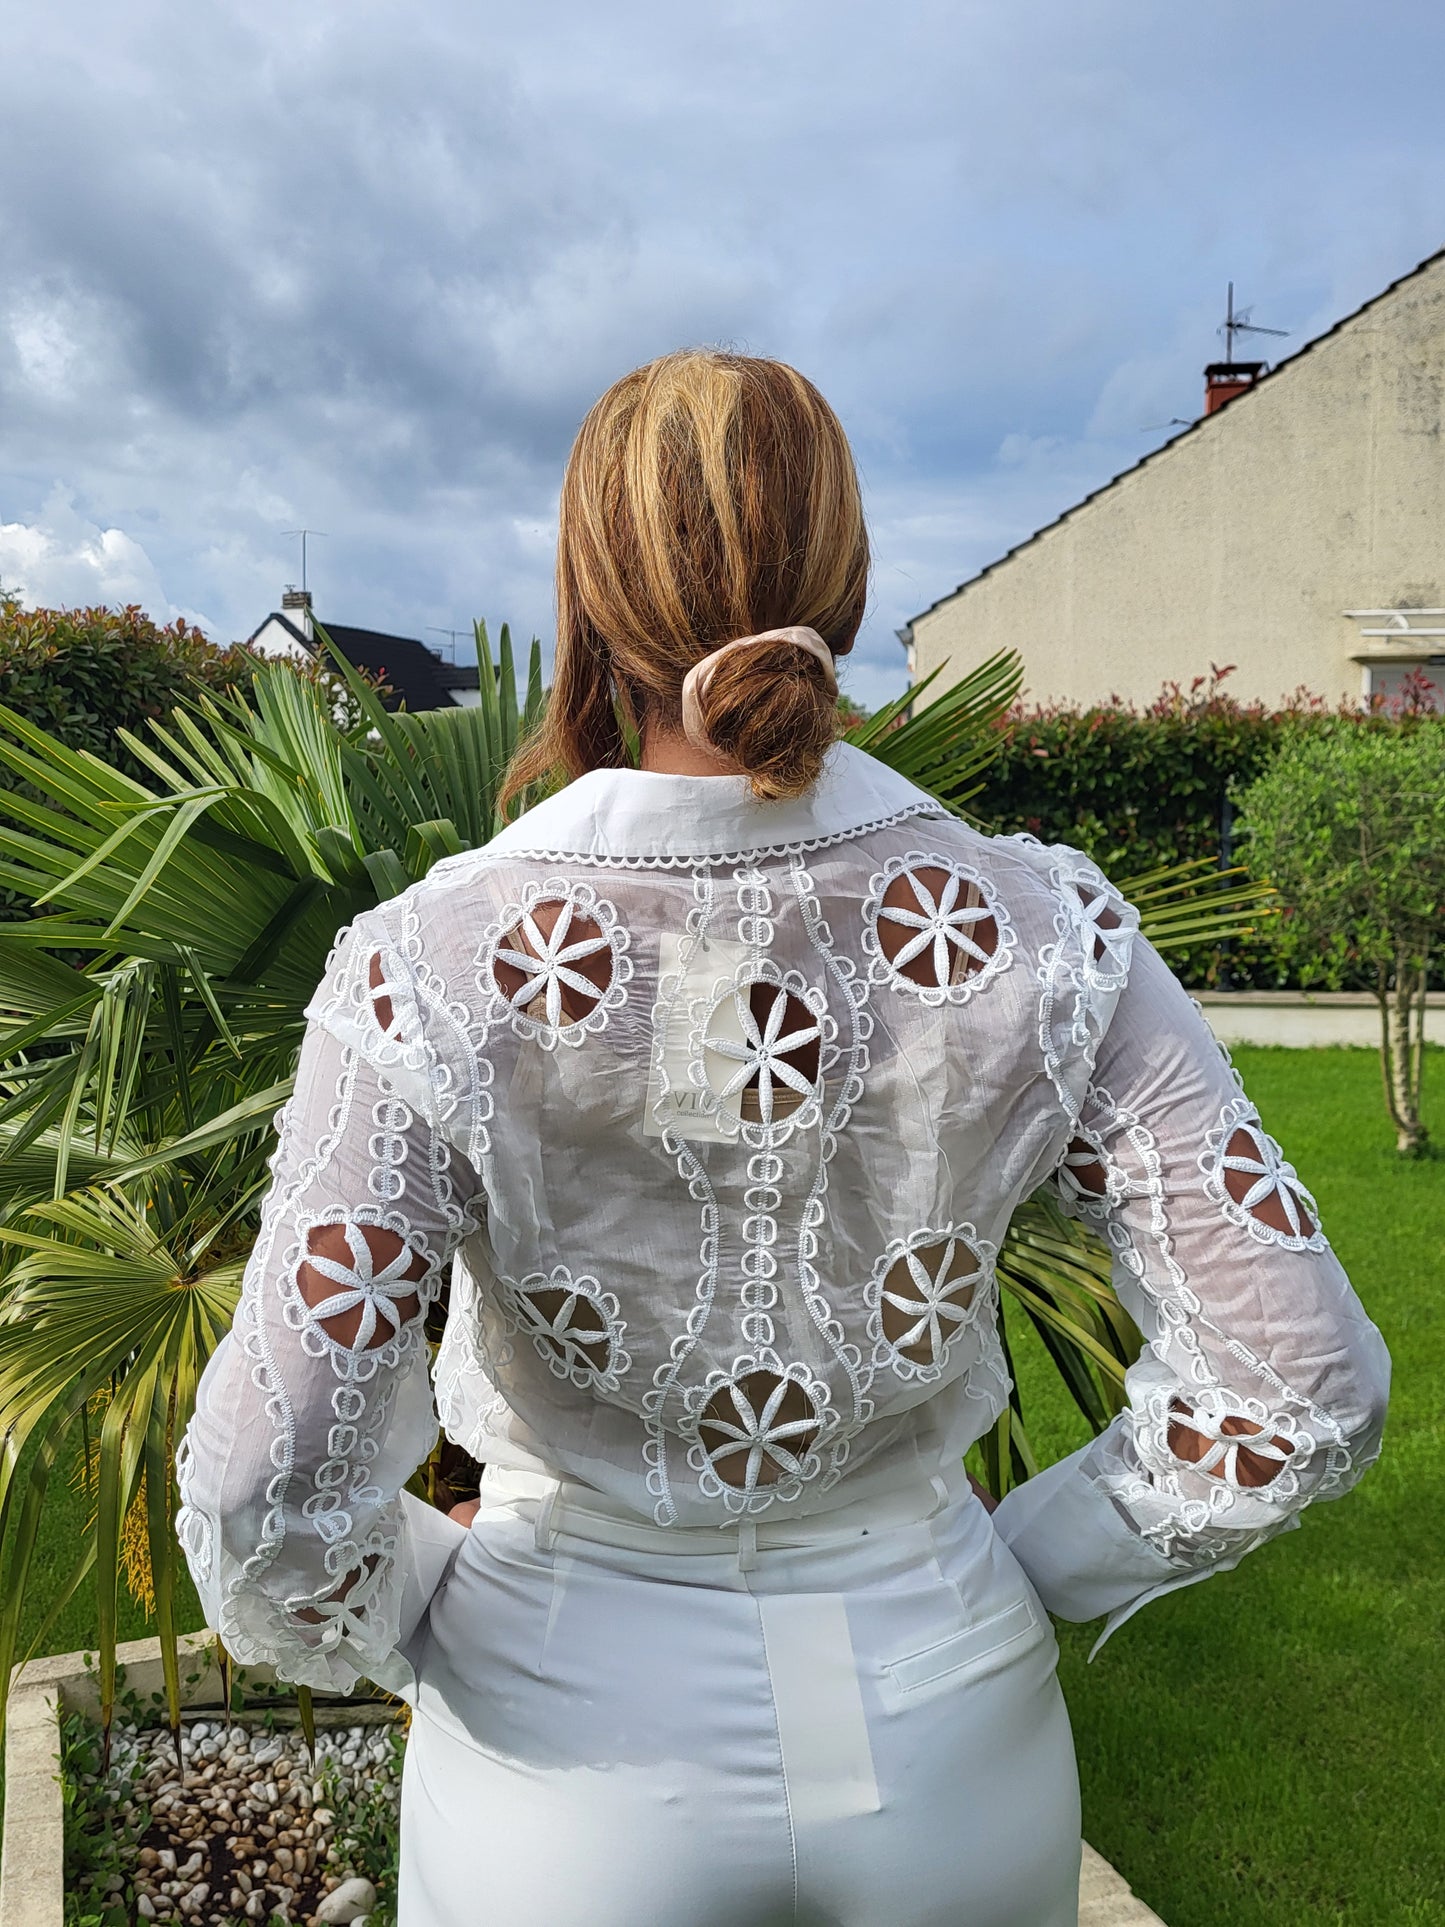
(433, 630)
(1240, 324)
(1174, 421)
(303, 533)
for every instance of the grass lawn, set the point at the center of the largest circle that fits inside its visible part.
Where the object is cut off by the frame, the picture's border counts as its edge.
(1266, 1749)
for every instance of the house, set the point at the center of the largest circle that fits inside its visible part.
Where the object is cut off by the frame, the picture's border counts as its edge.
(420, 677)
(1295, 530)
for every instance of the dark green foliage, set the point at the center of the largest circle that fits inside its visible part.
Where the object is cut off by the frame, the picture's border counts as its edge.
(1135, 788)
(81, 674)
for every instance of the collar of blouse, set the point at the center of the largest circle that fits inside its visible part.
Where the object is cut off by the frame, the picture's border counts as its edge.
(650, 818)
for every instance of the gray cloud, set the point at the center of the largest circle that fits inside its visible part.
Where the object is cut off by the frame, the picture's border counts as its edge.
(365, 265)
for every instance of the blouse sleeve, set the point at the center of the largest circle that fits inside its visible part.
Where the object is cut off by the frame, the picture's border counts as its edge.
(317, 1406)
(1262, 1384)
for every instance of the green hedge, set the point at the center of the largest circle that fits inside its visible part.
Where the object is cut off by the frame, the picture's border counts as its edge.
(1138, 788)
(82, 674)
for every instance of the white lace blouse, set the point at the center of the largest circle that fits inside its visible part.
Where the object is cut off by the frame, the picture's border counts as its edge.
(714, 1113)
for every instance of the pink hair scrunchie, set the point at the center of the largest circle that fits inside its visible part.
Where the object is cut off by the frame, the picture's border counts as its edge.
(695, 682)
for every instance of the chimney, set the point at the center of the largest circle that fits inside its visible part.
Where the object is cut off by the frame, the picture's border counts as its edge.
(296, 603)
(1223, 380)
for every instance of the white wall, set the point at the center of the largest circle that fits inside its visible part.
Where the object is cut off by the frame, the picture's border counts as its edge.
(1323, 490)
(273, 638)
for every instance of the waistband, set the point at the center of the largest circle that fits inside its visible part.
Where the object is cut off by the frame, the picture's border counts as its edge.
(565, 1508)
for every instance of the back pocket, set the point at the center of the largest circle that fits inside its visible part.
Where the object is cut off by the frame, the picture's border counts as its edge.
(970, 1654)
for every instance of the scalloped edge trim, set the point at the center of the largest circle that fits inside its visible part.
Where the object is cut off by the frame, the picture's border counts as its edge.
(701, 859)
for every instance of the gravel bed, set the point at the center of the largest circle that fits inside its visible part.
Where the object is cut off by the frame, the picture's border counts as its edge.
(251, 1835)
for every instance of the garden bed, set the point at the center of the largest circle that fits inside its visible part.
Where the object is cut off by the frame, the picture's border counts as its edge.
(254, 1830)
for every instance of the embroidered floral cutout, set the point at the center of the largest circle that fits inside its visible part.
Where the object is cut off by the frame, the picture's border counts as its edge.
(1213, 1442)
(756, 1431)
(1250, 1179)
(934, 927)
(381, 991)
(557, 962)
(1112, 937)
(1083, 1175)
(575, 1326)
(360, 1282)
(764, 1043)
(781, 1040)
(925, 1290)
(344, 1610)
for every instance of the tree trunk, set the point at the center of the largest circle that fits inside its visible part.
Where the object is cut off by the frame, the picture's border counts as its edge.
(1402, 1013)
(1417, 1058)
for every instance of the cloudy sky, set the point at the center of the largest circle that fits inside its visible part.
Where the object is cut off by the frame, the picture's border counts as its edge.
(364, 266)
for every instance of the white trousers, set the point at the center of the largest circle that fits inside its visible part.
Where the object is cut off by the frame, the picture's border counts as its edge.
(855, 1722)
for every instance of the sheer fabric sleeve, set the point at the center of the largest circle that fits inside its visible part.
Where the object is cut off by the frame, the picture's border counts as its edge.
(1262, 1385)
(317, 1406)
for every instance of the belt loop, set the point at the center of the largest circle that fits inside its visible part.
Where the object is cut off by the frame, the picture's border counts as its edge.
(546, 1532)
(747, 1545)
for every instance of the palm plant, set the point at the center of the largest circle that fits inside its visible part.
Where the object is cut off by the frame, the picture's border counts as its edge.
(151, 1011)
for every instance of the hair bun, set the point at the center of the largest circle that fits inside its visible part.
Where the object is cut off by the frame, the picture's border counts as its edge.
(768, 706)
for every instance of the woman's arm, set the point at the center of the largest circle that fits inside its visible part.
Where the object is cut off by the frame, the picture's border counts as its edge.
(1262, 1385)
(317, 1406)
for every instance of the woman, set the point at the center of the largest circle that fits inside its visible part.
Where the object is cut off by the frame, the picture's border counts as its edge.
(712, 1085)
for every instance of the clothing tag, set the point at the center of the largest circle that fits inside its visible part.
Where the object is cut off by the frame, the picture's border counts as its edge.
(687, 990)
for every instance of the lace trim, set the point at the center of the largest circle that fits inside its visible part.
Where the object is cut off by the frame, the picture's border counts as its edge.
(855, 991)
(1069, 975)
(693, 1174)
(709, 859)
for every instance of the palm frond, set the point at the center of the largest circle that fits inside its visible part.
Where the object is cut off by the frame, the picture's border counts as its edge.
(946, 745)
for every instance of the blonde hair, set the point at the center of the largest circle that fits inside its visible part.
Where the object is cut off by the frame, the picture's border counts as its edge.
(708, 496)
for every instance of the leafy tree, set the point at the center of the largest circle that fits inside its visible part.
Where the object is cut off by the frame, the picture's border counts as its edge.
(1349, 825)
(1136, 786)
(138, 1087)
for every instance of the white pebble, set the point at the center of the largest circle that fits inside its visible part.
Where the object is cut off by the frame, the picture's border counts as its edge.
(351, 1901)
